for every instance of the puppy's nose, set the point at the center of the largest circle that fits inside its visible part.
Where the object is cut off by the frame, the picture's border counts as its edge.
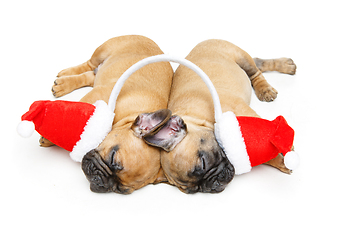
(216, 180)
(97, 172)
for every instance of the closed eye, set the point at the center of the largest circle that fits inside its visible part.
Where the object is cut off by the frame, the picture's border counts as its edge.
(113, 163)
(112, 157)
(203, 162)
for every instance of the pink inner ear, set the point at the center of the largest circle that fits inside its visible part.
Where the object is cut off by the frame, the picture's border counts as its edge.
(175, 124)
(147, 122)
(169, 135)
(166, 131)
(172, 127)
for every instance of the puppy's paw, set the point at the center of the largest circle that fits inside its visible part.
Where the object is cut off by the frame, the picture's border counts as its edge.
(287, 66)
(266, 94)
(278, 162)
(76, 70)
(67, 72)
(44, 142)
(61, 87)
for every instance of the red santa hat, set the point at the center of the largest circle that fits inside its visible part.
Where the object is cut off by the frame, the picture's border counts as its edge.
(75, 126)
(251, 141)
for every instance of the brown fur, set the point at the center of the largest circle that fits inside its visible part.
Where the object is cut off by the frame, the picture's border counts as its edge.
(129, 162)
(232, 72)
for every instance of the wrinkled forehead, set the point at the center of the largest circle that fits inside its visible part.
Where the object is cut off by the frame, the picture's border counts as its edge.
(130, 153)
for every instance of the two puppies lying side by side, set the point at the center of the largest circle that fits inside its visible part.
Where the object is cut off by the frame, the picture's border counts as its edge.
(192, 160)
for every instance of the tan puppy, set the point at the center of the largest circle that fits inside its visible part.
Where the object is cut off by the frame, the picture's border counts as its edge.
(197, 163)
(122, 162)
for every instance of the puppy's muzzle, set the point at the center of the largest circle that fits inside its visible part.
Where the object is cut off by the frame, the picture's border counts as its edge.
(216, 179)
(102, 179)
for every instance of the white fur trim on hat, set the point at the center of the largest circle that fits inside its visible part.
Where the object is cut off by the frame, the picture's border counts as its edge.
(229, 137)
(95, 131)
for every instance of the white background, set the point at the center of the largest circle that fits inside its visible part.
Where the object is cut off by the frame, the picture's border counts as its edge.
(44, 195)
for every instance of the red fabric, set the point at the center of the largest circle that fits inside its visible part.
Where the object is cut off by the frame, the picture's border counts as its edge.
(264, 139)
(283, 137)
(61, 122)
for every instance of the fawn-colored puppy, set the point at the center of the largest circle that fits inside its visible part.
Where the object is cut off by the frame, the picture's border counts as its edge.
(193, 160)
(123, 162)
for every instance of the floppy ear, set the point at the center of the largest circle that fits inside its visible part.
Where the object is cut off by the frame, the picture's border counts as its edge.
(147, 123)
(168, 136)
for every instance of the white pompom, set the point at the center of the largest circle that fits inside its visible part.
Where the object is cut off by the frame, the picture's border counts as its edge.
(25, 128)
(292, 160)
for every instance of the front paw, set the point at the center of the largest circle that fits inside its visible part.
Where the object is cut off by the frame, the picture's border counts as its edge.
(266, 94)
(278, 162)
(44, 142)
(61, 87)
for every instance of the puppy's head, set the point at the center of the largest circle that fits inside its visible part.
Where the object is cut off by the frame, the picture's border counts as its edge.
(123, 162)
(195, 162)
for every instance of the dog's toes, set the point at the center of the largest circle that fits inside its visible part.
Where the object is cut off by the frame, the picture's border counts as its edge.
(60, 87)
(44, 142)
(57, 90)
(287, 66)
(268, 94)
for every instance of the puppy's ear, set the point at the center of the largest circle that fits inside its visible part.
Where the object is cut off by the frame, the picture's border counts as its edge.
(169, 135)
(147, 123)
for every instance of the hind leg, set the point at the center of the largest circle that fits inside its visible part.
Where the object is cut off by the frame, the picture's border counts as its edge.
(73, 78)
(263, 90)
(81, 75)
(76, 70)
(282, 65)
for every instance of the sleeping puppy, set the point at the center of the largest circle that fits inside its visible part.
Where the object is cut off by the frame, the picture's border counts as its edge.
(123, 163)
(193, 161)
